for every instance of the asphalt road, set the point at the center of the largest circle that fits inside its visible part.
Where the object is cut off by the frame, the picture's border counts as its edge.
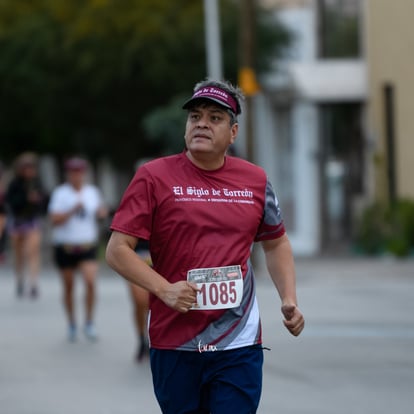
(356, 355)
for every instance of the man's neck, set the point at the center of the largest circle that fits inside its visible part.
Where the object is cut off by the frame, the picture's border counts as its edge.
(205, 161)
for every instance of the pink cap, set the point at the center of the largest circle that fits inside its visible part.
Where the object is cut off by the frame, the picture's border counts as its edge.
(76, 164)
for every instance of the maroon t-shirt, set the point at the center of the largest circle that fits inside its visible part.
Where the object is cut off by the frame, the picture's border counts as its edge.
(194, 219)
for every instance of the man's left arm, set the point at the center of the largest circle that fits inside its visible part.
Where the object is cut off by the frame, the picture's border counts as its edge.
(281, 267)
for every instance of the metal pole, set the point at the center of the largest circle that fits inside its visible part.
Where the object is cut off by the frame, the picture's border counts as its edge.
(389, 109)
(212, 40)
(246, 61)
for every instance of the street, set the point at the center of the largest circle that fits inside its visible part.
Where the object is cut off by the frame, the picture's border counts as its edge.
(355, 356)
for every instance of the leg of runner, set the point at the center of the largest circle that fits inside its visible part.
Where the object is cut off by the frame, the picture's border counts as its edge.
(33, 253)
(139, 299)
(17, 244)
(68, 281)
(89, 270)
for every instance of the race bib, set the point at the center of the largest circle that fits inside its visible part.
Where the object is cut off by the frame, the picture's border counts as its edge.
(220, 287)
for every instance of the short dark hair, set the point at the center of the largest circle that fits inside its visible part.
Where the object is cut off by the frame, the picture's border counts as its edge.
(233, 117)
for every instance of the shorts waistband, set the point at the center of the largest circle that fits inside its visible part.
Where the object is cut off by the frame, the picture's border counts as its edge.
(77, 248)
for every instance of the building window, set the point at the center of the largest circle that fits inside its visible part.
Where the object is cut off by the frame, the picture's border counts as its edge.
(339, 28)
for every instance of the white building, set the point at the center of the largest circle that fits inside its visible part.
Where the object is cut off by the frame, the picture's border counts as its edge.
(309, 122)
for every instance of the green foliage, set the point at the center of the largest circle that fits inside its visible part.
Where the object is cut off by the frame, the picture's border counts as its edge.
(370, 229)
(384, 228)
(165, 126)
(82, 75)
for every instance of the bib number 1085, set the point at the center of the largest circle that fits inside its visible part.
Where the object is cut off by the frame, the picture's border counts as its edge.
(219, 295)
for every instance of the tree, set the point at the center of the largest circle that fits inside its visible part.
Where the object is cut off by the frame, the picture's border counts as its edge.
(81, 76)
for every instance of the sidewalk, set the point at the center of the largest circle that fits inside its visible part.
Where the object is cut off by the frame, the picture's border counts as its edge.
(356, 355)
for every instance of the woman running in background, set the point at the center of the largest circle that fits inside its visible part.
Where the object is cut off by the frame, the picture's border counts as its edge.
(25, 201)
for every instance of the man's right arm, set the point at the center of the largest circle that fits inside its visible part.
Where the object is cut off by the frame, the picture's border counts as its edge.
(121, 256)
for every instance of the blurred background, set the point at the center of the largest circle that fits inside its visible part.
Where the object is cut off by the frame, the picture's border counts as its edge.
(328, 110)
(328, 113)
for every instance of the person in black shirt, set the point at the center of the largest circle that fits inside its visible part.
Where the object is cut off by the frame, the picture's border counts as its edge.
(25, 203)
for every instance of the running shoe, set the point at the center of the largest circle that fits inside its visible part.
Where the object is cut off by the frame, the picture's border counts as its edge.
(72, 334)
(20, 289)
(90, 331)
(34, 292)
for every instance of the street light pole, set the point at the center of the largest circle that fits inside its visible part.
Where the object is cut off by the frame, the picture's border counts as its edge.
(247, 78)
(212, 40)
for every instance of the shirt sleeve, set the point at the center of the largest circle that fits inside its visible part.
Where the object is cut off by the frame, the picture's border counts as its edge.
(271, 226)
(98, 197)
(55, 204)
(135, 212)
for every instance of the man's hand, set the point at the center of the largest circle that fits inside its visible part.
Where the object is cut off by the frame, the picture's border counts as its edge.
(294, 320)
(181, 296)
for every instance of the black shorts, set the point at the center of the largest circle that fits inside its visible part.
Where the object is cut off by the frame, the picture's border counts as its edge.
(69, 256)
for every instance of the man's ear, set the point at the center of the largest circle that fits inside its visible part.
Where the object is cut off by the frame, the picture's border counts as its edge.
(233, 132)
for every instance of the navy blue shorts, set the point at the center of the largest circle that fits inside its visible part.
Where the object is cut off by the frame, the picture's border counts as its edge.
(220, 382)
